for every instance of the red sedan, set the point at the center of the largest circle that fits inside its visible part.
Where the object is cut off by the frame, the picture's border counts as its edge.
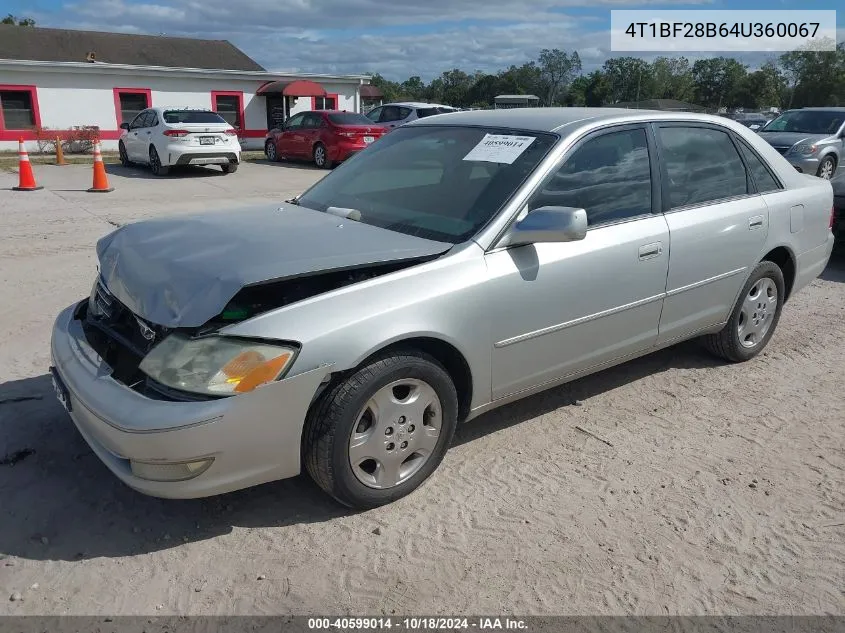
(324, 136)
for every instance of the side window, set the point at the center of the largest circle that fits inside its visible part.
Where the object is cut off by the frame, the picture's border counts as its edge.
(373, 115)
(138, 121)
(763, 177)
(152, 119)
(295, 122)
(404, 113)
(390, 113)
(702, 165)
(608, 176)
(311, 121)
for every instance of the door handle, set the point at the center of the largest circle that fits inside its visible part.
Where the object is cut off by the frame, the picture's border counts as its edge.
(756, 222)
(650, 251)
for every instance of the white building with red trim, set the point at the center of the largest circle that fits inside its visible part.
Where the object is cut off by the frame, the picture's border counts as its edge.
(54, 80)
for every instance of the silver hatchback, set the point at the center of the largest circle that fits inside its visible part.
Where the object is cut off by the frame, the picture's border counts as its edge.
(459, 263)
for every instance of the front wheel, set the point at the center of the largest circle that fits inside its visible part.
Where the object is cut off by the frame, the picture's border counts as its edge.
(124, 156)
(380, 433)
(321, 157)
(155, 163)
(754, 318)
(230, 168)
(270, 151)
(826, 168)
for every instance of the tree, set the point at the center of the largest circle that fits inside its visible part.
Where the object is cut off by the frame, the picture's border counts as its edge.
(16, 21)
(716, 81)
(412, 88)
(762, 88)
(628, 79)
(557, 70)
(672, 79)
(390, 89)
(817, 78)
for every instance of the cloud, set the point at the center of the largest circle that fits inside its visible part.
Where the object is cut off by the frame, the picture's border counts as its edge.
(352, 36)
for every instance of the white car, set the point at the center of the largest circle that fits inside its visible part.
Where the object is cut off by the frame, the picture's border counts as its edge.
(168, 137)
(395, 114)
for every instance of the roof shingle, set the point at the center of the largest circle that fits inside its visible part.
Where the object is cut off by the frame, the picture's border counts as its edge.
(63, 45)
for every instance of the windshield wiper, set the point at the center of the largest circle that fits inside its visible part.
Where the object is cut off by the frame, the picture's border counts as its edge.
(294, 200)
(347, 214)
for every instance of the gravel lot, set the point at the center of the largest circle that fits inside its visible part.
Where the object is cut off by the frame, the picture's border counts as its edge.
(722, 492)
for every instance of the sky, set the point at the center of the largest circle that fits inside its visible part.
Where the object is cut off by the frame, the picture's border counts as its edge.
(397, 38)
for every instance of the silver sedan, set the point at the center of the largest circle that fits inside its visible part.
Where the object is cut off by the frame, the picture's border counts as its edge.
(461, 262)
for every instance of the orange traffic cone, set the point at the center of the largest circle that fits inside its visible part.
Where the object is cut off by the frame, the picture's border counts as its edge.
(60, 154)
(26, 179)
(101, 181)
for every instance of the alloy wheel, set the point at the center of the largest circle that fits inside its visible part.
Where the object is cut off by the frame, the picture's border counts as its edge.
(757, 313)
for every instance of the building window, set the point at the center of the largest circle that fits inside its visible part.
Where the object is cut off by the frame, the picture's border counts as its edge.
(129, 102)
(229, 105)
(329, 102)
(18, 108)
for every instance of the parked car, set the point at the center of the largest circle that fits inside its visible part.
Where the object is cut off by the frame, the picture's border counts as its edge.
(811, 139)
(325, 136)
(168, 137)
(458, 264)
(753, 121)
(395, 114)
(837, 224)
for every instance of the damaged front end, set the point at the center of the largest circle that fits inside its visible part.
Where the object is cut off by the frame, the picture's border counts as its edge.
(123, 339)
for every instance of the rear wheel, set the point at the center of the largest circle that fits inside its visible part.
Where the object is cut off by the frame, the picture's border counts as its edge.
(321, 157)
(155, 163)
(270, 151)
(754, 318)
(377, 435)
(231, 168)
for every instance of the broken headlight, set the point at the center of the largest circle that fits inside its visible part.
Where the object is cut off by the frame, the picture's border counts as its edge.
(216, 365)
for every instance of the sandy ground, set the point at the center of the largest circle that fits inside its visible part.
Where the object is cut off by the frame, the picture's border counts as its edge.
(723, 491)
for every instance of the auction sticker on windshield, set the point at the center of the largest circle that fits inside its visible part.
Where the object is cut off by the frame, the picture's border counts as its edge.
(499, 148)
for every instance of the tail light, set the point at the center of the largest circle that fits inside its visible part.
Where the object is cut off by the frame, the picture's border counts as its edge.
(176, 133)
(832, 216)
(231, 132)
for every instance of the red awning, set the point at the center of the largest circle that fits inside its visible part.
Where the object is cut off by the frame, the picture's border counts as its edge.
(369, 91)
(299, 88)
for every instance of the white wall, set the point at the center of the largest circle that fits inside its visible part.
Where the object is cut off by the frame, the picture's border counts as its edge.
(68, 99)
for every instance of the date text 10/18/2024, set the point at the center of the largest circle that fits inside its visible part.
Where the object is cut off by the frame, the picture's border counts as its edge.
(418, 623)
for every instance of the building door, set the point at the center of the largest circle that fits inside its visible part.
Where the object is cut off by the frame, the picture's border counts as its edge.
(276, 112)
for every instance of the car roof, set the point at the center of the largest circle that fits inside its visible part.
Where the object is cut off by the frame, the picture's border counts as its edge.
(552, 119)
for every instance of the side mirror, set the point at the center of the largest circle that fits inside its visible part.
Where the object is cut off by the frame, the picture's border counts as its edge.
(548, 224)
(124, 126)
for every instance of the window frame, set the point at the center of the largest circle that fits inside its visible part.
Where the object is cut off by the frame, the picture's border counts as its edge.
(656, 190)
(239, 95)
(287, 125)
(380, 109)
(33, 98)
(328, 95)
(118, 111)
(750, 186)
(740, 142)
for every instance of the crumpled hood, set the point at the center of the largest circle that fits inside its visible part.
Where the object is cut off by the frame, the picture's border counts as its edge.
(788, 139)
(182, 271)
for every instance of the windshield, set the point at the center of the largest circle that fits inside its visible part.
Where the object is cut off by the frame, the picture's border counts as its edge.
(807, 122)
(192, 116)
(428, 180)
(349, 118)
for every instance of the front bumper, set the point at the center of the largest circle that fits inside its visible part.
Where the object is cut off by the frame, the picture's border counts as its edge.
(804, 164)
(253, 438)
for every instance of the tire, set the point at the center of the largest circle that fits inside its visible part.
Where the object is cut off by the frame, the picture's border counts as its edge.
(344, 413)
(270, 151)
(231, 168)
(155, 163)
(827, 168)
(124, 157)
(753, 319)
(321, 157)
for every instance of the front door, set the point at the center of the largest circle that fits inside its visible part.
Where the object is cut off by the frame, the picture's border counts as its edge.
(718, 225)
(287, 140)
(578, 305)
(134, 141)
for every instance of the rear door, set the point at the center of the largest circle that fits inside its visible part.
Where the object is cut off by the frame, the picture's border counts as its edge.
(717, 221)
(309, 133)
